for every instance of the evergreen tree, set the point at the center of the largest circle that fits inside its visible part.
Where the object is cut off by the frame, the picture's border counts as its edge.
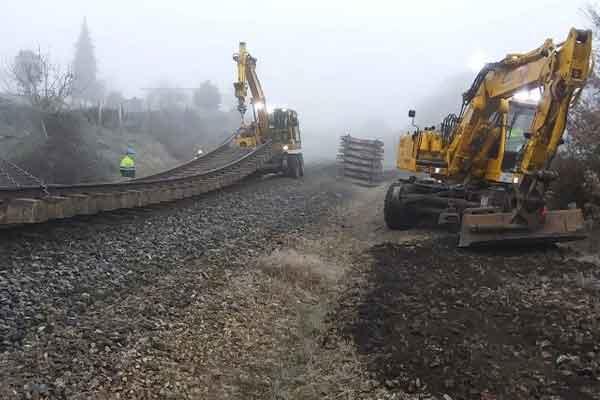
(85, 86)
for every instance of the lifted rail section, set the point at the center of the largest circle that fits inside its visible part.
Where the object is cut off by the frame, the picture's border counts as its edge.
(224, 166)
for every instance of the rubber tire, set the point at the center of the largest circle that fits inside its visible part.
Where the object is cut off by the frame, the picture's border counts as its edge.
(293, 166)
(301, 158)
(396, 216)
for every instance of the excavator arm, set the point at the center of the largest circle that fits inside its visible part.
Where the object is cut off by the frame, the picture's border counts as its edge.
(566, 75)
(247, 78)
(560, 71)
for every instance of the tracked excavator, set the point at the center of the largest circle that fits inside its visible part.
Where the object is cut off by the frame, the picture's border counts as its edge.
(486, 171)
(279, 126)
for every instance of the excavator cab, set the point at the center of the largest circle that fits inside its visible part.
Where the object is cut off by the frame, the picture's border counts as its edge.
(284, 131)
(284, 128)
(520, 118)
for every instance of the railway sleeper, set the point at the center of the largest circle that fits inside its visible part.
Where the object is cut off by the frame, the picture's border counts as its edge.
(105, 202)
(59, 207)
(22, 211)
(82, 204)
(197, 188)
(130, 199)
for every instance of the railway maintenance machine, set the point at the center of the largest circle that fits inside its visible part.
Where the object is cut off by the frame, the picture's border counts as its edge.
(487, 169)
(280, 126)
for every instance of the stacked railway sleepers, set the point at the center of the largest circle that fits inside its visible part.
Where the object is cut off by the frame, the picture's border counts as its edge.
(361, 160)
(224, 166)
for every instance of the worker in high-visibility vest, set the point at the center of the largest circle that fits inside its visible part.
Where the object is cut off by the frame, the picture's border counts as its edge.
(127, 166)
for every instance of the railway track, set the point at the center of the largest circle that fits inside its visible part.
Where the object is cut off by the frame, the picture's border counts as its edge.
(36, 203)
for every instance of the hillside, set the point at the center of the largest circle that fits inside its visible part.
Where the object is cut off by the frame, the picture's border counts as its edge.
(76, 147)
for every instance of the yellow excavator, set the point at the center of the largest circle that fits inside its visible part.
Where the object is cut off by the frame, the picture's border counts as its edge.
(279, 126)
(487, 169)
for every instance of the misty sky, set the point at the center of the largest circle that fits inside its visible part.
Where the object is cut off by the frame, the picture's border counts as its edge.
(338, 62)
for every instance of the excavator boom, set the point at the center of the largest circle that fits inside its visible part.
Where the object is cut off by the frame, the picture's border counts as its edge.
(247, 79)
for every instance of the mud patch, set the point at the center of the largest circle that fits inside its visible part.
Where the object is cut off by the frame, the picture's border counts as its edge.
(523, 324)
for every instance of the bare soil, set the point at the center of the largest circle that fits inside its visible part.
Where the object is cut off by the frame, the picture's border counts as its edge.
(513, 324)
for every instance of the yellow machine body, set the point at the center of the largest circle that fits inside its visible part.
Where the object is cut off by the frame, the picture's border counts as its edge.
(425, 146)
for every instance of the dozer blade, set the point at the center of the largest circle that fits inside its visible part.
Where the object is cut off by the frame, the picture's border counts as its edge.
(496, 228)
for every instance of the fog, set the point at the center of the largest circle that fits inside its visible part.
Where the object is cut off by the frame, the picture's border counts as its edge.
(345, 66)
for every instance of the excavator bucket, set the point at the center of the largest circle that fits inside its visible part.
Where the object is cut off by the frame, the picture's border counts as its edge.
(496, 228)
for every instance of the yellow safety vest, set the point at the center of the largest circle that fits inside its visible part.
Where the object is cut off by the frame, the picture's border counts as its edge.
(127, 163)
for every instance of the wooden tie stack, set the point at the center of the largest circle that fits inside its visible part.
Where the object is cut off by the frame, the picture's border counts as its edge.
(361, 160)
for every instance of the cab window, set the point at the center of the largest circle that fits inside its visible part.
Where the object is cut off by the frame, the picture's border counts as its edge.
(520, 119)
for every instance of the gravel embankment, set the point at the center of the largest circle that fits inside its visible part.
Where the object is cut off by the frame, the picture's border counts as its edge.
(289, 289)
(76, 297)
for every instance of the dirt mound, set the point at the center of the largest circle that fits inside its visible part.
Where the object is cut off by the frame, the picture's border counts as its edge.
(509, 324)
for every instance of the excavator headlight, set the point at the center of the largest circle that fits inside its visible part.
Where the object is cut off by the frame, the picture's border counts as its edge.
(286, 147)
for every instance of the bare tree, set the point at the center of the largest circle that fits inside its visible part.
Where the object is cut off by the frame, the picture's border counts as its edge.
(578, 164)
(584, 118)
(44, 85)
(33, 77)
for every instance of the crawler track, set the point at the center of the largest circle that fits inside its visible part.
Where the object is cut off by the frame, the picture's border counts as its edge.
(225, 165)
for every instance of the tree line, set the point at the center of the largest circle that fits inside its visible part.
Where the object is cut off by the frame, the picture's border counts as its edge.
(33, 77)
